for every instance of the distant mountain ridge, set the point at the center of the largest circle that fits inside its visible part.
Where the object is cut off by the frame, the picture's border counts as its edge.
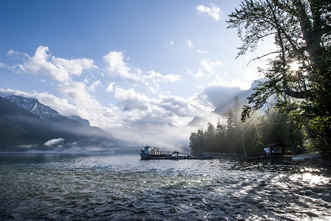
(227, 104)
(44, 112)
(80, 120)
(25, 121)
(34, 106)
(223, 102)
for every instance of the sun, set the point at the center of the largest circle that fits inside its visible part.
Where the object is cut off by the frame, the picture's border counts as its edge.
(295, 66)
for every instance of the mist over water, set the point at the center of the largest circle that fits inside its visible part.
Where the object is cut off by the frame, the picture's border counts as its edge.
(54, 186)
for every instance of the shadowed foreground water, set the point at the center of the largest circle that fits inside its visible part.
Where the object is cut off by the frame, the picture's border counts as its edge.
(97, 187)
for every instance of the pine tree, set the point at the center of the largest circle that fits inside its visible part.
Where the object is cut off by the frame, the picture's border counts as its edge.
(220, 138)
(210, 136)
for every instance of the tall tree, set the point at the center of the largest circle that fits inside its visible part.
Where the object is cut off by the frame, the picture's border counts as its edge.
(210, 135)
(236, 112)
(220, 137)
(301, 29)
(230, 129)
(197, 142)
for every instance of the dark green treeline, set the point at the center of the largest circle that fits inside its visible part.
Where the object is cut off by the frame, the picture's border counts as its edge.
(233, 136)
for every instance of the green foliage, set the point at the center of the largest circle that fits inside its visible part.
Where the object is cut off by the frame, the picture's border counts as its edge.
(252, 135)
(302, 31)
(226, 138)
(197, 143)
(320, 129)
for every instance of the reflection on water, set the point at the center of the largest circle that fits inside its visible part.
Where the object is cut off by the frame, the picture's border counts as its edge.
(96, 187)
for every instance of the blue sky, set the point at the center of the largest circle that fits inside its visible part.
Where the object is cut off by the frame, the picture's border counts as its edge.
(135, 68)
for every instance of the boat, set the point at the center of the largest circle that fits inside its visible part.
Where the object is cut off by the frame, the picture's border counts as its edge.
(175, 156)
(154, 153)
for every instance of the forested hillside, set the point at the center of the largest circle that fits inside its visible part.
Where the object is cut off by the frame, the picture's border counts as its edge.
(297, 79)
(20, 127)
(235, 136)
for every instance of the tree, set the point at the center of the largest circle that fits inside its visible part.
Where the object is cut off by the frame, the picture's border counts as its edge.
(220, 137)
(301, 29)
(229, 137)
(234, 128)
(210, 135)
(197, 142)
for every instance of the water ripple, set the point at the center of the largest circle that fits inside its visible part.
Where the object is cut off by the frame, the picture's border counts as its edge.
(93, 187)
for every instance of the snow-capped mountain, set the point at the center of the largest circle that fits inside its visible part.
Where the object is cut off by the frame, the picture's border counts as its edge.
(34, 106)
(25, 121)
(44, 112)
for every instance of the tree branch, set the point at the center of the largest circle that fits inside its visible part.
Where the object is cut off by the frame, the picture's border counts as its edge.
(260, 57)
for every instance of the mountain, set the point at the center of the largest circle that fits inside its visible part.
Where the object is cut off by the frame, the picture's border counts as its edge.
(40, 110)
(223, 99)
(224, 106)
(27, 121)
(80, 120)
(18, 126)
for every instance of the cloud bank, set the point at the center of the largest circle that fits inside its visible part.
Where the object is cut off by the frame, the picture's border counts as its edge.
(53, 142)
(134, 105)
(132, 114)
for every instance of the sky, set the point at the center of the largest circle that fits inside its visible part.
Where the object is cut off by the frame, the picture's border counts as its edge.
(138, 69)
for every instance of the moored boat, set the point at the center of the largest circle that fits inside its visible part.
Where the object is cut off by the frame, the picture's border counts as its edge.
(154, 153)
(175, 156)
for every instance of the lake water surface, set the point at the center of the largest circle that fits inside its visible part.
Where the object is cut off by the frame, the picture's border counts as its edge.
(40, 186)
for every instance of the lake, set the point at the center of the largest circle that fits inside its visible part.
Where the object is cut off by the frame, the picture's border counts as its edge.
(54, 186)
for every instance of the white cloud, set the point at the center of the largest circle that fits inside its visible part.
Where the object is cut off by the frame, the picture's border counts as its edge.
(157, 77)
(171, 43)
(139, 109)
(189, 43)
(39, 63)
(158, 121)
(211, 66)
(241, 76)
(56, 68)
(94, 85)
(110, 87)
(74, 67)
(87, 106)
(199, 73)
(153, 79)
(241, 82)
(182, 107)
(117, 66)
(202, 51)
(211, 11)
(53, 142)
(11, 52)
(130, 100)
